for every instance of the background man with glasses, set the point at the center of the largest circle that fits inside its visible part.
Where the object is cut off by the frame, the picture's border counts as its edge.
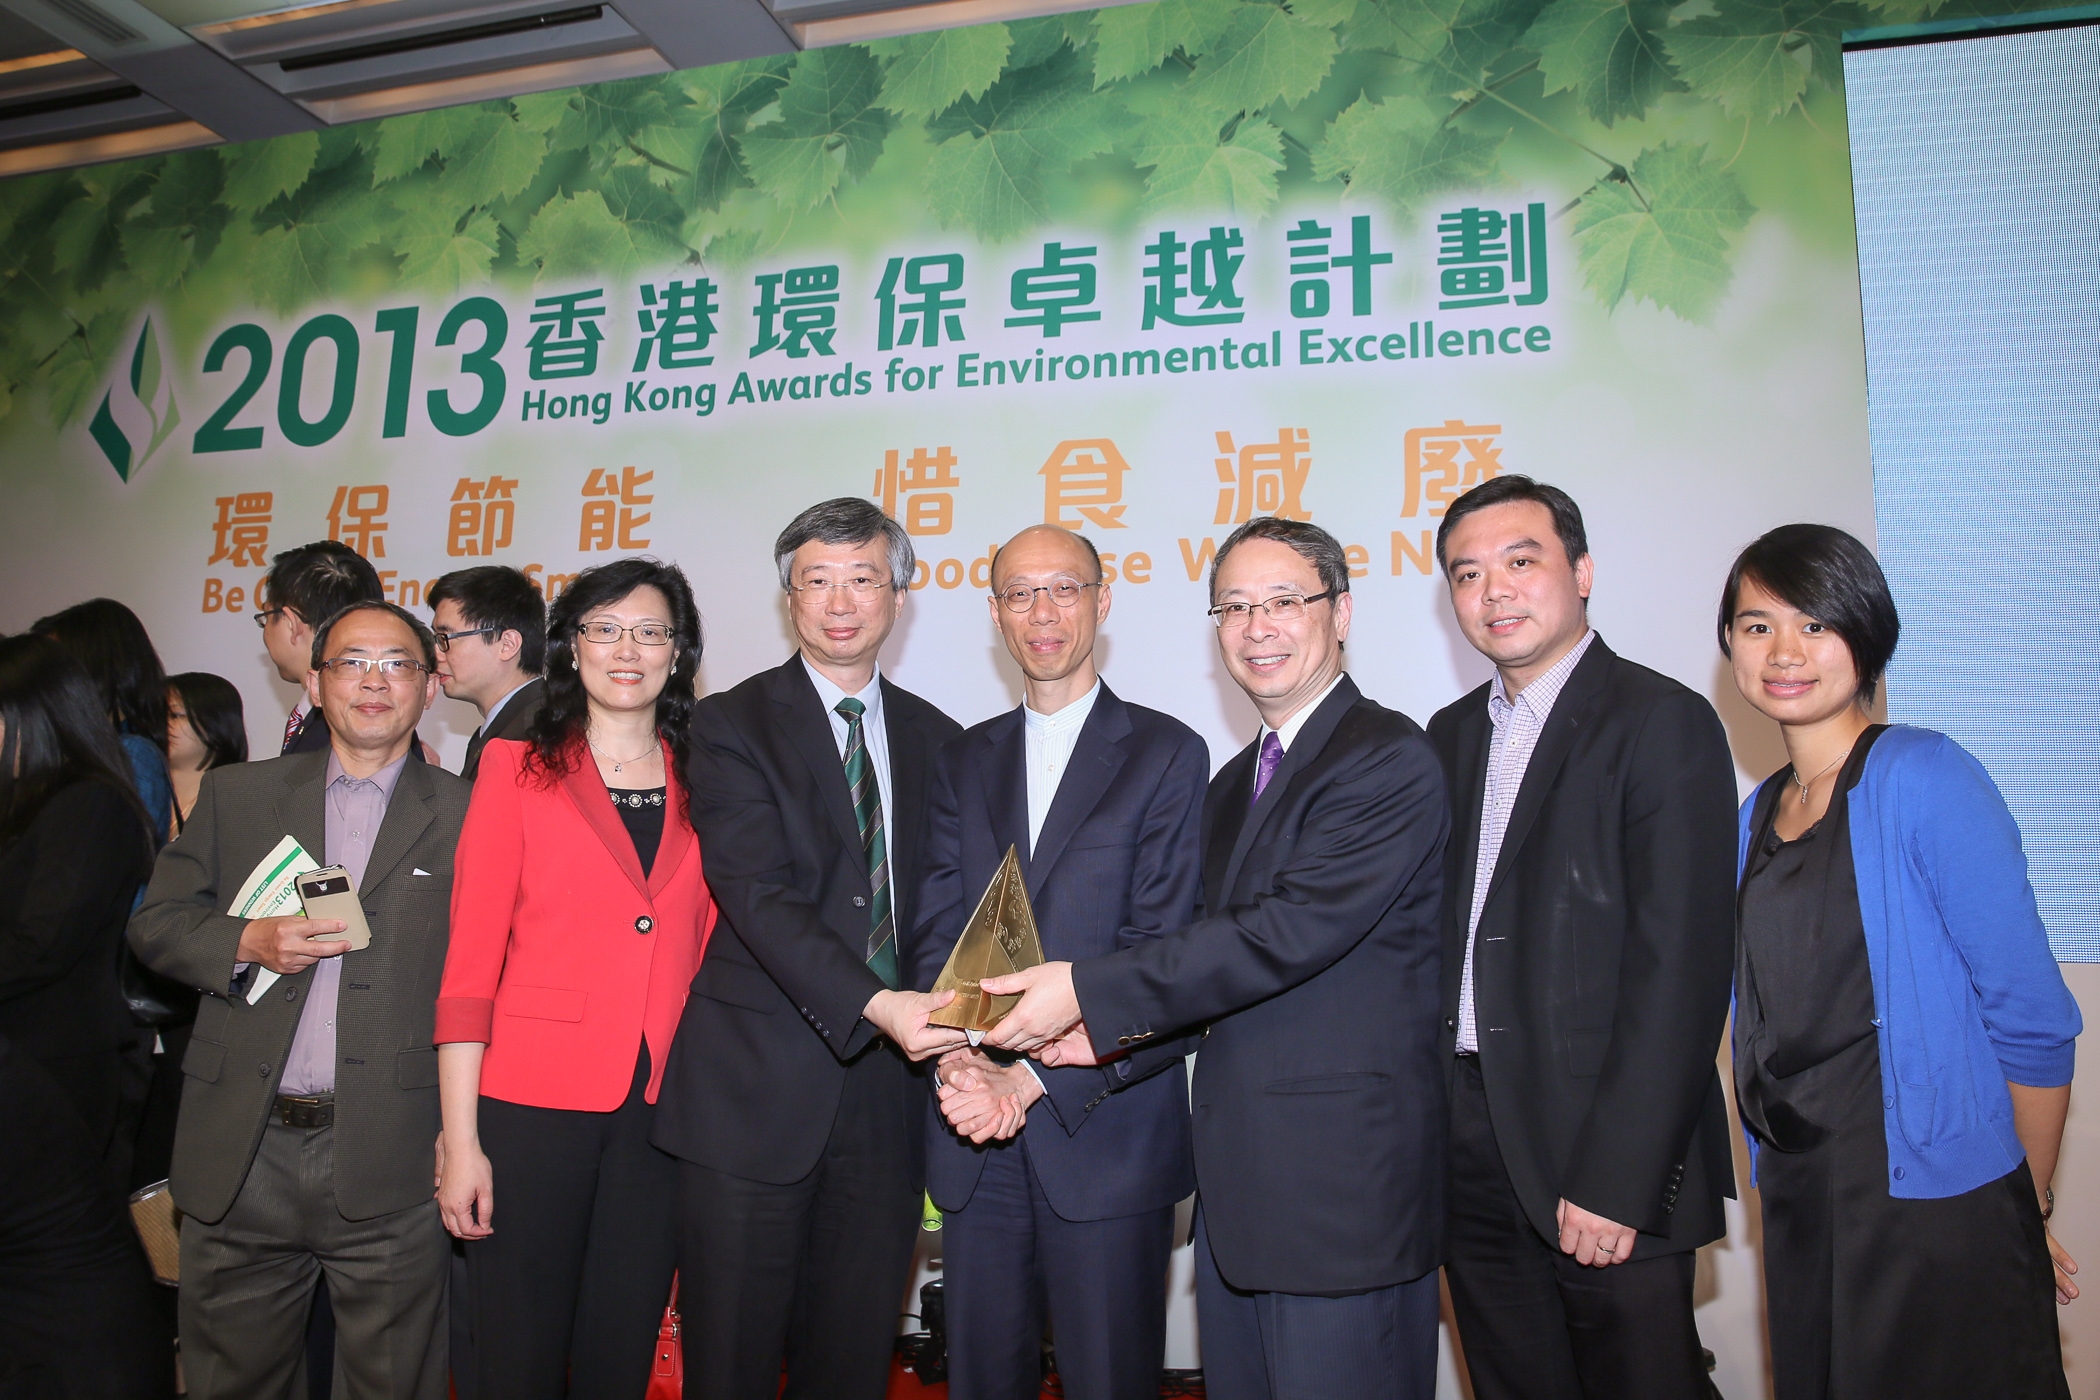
(790, 1099)
(310, 1107)
(491, 626)
(304, 587)
(1072, 1214)
(1319, 1093)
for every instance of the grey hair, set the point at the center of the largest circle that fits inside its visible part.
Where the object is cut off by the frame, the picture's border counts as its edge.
(1314, 545)
(845, 520)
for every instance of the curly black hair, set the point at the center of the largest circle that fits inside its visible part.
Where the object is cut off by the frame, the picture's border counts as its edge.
(557, 737)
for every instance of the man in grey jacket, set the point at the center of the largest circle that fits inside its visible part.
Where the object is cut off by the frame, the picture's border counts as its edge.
(310, 1104)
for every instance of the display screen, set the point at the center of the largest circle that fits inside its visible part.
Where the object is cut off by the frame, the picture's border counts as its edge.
(1979, 257)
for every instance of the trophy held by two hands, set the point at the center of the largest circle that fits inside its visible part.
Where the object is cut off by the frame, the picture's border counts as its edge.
(1000, 938)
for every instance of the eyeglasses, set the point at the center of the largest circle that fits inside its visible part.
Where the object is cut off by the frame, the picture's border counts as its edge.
(860, 587)
(446, 639)
(1020, 598)
(262, 619)
(1284, 607)
(605, 634)
(395, 670)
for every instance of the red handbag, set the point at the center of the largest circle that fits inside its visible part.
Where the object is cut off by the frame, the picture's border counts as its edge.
(667, 1375)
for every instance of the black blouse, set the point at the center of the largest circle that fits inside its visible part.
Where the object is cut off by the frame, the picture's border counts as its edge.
(642, 812)
(1805, 991)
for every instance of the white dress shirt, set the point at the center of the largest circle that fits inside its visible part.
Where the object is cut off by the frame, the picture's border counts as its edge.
(1049, 742)
(873, 733)
(1517, 724)
(1289, 733)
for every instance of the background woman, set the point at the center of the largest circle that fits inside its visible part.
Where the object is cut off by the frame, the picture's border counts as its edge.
(207, 729)
(74, 845)
(1903, 1037)
(111, 644)
(578, 918)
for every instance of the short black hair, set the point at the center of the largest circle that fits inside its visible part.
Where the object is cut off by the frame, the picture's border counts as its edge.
(1315, 545)
(213, 706)
(496, 595)
(111, 644)
(846, 520)
(54, 733)
(559, 730)
(1832, 577)
(415, 625)
(1501, 490)
(319, 580)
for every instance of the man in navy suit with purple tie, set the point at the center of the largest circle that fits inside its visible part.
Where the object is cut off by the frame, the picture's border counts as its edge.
(1318, 1114)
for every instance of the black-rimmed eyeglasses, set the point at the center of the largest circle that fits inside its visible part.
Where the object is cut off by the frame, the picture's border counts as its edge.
(605, 634)
(446, 639)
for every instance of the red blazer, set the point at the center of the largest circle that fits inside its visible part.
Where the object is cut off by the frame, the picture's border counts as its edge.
(563, 958)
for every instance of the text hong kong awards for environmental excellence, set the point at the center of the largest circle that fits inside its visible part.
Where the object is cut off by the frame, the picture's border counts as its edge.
(1000, 938)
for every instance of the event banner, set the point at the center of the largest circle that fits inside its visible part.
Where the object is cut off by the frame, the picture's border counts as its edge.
(1145, 271)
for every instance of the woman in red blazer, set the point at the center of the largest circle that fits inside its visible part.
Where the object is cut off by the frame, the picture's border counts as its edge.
(579, 914)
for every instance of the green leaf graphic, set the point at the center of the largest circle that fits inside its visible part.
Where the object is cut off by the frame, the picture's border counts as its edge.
(583, 236)
(1192, 169)
(440, 255)
(1265, 55)
(827, 129)
(929, 73)
(1664, 238)
(1608, 52)
(331, 216)
(987, 175)
(696, 158)
(1453, 41)
(1756, 56)
(262, 170)
(1036, 41)
(1400, 152)
(1133, 39)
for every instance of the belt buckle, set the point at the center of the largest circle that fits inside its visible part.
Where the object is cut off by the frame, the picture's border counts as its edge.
(305, 1111)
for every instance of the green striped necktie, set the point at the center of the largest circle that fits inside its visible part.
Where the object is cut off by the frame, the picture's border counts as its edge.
(867, 810)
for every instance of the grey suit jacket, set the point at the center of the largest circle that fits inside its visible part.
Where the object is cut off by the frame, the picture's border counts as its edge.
(386, 1069)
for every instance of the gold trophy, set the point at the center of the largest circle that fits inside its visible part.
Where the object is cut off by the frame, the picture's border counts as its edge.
(1000, 938)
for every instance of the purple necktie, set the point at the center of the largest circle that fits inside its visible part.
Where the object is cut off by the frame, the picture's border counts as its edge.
(1265, 765)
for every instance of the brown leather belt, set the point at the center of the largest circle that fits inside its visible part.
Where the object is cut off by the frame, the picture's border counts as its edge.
(305, 1110)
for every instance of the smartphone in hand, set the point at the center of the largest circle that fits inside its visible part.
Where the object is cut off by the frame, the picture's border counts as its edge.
(326, 894)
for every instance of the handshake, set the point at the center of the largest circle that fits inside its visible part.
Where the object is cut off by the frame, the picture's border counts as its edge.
(981, 1098)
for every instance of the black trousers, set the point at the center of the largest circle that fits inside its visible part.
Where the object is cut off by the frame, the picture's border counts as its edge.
(1009, 1260)
(78, 1314)
(1377, 1345)
(1536, 1325)
(813, 1272)
(569, 1290)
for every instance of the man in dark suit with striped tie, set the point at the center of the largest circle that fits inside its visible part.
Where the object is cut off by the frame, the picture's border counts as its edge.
(790, 1099)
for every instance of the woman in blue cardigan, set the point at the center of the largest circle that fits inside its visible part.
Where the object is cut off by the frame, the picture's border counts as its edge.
(1903, 1038)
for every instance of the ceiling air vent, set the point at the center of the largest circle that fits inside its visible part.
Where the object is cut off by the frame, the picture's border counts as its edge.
(495, 29)
(96, 20)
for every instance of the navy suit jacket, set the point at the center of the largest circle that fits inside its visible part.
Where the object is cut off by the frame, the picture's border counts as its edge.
(1320, 1090)
(1118, 863)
